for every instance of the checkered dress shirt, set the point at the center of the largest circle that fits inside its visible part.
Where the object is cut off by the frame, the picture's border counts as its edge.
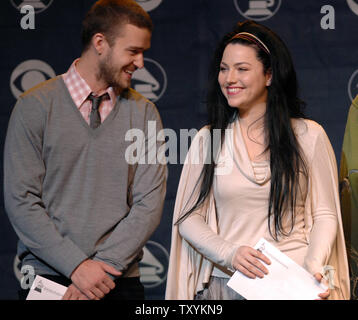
(80, 90)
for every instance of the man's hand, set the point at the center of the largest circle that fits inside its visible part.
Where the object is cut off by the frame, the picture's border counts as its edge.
(91, 278)
(73, 293)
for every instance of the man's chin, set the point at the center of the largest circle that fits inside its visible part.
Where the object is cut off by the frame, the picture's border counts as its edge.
(120, 85)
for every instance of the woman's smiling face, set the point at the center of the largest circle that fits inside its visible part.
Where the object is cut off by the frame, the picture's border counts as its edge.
(242, 78)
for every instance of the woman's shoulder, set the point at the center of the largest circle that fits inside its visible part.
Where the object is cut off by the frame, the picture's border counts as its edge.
(204, 130)
(310, 135)
(203, 134)
(306, 128)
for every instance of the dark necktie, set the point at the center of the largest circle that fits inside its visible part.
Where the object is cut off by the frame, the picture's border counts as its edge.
(95, 117)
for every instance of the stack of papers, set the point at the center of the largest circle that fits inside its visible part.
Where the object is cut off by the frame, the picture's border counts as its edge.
(286, 279)
(44, 289)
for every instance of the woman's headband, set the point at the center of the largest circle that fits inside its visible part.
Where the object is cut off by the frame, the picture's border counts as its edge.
(252, 38)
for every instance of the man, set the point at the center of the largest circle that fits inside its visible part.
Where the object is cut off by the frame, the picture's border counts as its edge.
(349, 192)
(81, 211)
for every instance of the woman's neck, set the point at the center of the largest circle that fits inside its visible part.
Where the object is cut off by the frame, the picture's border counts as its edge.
(253, 116)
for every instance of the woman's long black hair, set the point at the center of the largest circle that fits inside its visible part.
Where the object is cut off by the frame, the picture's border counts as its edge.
(283, 104)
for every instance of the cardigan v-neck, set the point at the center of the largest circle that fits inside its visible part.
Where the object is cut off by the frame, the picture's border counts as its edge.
(75, 110)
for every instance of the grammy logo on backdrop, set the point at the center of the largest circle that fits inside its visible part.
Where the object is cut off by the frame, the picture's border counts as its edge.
(149, 5)
(257, 9)
(353, 85)
(353, 5)
(150, 81)
(38, 5)
(154, 265)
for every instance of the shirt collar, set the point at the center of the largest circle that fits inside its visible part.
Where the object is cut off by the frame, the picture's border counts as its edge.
(79, 88)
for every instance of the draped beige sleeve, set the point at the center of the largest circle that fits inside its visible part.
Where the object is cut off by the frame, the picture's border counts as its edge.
(188, 269)
(323, 195)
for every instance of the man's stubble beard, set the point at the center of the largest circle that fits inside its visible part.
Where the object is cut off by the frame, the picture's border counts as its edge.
(107, 74)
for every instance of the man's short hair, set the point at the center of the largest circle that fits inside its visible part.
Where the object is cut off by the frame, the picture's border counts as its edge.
(106, 15)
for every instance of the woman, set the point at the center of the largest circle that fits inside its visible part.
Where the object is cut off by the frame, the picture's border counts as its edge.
(273, 175)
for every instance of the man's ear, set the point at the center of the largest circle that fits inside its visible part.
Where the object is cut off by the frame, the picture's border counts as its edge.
(99, 43)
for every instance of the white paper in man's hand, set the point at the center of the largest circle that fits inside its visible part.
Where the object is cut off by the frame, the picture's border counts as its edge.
(286, 279)
(44, 289)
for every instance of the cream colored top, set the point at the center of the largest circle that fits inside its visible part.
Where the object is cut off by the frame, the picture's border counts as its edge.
(235, 214)
(231, 195)
(241, 199)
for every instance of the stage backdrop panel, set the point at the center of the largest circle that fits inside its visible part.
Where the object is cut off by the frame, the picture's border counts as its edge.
(175, 78)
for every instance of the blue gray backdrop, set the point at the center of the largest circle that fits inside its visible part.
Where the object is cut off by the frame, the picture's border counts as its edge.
(322, 36)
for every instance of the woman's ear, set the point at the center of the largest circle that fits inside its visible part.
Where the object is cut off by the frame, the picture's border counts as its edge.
(268, 78)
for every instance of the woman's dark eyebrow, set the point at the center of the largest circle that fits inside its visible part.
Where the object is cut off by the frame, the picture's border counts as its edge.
(236, 64)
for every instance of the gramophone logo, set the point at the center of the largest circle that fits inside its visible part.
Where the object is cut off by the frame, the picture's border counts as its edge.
(38, 5)
(150, 81)
(154, 265)
(28, 74)
(353, 5)
(149, 5)
(258, 10)
(39, 287)
(353, 85)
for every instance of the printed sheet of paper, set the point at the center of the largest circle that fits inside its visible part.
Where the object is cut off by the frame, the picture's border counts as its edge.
(286, 279)
(44, 289)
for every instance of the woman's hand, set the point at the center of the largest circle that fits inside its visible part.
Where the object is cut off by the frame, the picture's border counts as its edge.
(247, 261)
(324, 295)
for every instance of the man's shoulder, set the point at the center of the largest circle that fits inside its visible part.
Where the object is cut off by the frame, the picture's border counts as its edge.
(36, 102)
(135, 97)
(44, 89)
(138, 103)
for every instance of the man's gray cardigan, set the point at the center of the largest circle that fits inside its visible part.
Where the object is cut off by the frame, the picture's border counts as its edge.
(69, 192)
